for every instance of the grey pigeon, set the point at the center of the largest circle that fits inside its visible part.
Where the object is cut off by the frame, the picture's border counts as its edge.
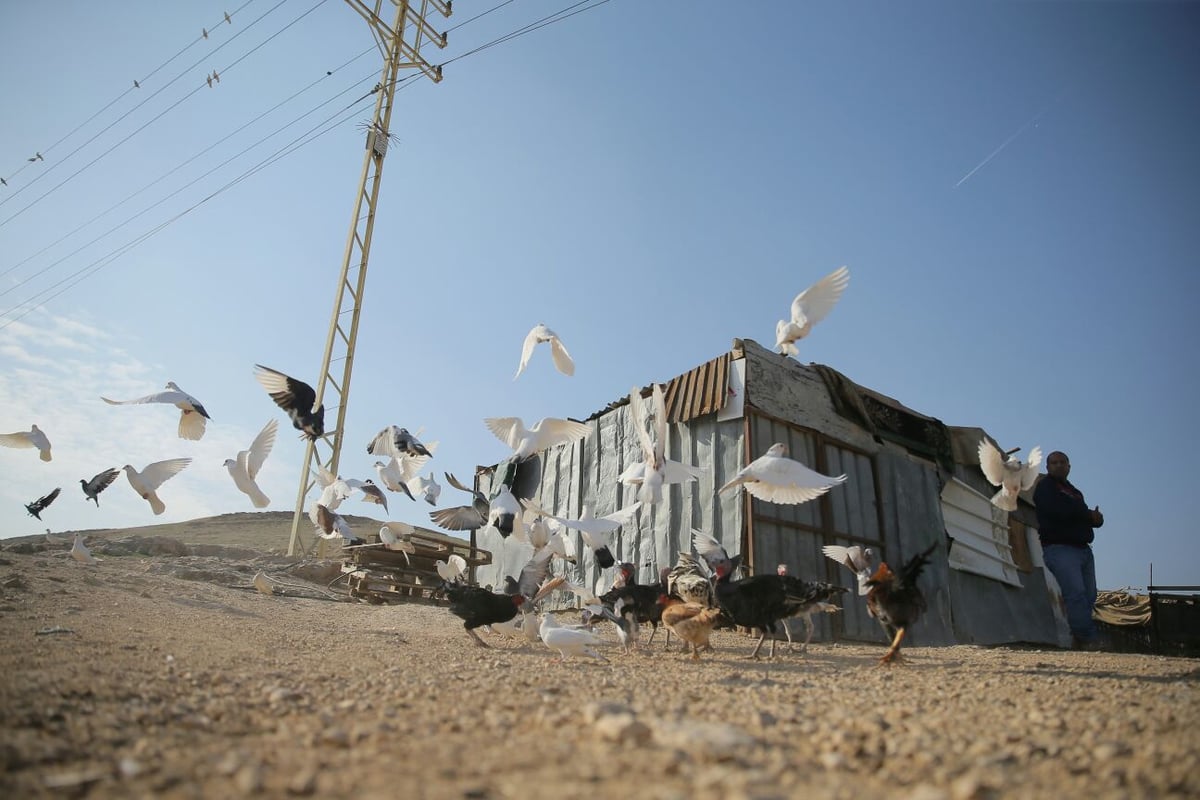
(93, 488)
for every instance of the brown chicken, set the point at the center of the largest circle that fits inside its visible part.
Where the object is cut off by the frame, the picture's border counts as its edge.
(896, 600)
(691, 622)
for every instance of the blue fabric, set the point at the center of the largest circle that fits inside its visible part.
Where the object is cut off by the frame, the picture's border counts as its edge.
(1063, 516)
(1075, 570)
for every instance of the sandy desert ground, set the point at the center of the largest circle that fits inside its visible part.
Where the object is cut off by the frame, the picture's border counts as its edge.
(161, 672)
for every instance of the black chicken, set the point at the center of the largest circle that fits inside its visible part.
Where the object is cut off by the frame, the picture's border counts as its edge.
(38, 506)
(761, 601)
(478, 607)
(896, 600)
(641, 599)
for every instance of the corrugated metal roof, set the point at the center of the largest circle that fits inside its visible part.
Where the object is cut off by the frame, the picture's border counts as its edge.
(697, 392)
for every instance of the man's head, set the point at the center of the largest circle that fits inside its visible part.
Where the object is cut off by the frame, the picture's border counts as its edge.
(1058, 465)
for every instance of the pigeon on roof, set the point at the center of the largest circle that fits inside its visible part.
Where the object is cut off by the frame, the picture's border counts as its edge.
(809, 308)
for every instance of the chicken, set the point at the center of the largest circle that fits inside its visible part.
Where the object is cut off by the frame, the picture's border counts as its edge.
(805, 612)
(896, 600)
(761, 601)
(690, 580)
(638, 600)
(477, 607)
(1007, 472)
(691, 622)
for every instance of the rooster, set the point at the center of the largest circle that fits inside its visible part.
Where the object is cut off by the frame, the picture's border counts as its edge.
(896, 600)
(691, 622)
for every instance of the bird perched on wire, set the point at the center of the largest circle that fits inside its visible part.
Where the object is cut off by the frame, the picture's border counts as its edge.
(36, 157)
(192, 417)
(539, 334)
(396, 441)
(775, 478)
(896, 601)
(809, 308)
(98, 483)
(34, 437)
(655, 470)
(463, 518)
(244, 469)
(36, 508)
(146, 482)
(545, 433)
(860, 560)
(295, 397)
(1006, 471)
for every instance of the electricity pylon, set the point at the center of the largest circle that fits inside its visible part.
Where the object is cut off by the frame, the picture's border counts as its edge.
(400, 45)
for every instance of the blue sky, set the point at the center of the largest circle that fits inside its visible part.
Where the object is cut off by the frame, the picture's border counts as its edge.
(651, 180)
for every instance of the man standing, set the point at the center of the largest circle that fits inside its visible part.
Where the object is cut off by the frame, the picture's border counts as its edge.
(1066, 529)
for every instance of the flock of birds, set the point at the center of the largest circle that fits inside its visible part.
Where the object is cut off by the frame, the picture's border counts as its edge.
(698, 593)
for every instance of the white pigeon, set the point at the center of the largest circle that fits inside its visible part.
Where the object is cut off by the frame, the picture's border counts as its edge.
(244, 469)
(504, 512)
(775, 478)
(329, 524)
(594, 530)
(453, 569)
(1007, 472)
(391, 475)
(397, 537)
(569, 641)
(655, 470)
(333, 489)
(862, 561)
(146, 482)
(192, 416)
(80, 553)
(809, 308)
(26, 439)
(546, 433)
(428, 488)
(539, 334)
(370, 492)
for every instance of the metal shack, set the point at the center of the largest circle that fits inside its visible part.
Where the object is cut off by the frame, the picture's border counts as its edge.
(912, 481)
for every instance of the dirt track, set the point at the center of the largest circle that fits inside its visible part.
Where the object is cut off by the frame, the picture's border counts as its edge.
(160, 676)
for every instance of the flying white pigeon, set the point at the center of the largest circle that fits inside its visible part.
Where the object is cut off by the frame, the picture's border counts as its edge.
(655, 470)
(594, 530)
(398, 536)
(244, 469)
(192, 416)
(1007, 472)
(333, 489)
(539, 334)
(146, 482)
(862, 561)
(809, 308)
(775, 478)
(80, 553)
(546, 433)
(428, 488)
(370, 492)
(26, 439)
(392, 477)
(329, 524)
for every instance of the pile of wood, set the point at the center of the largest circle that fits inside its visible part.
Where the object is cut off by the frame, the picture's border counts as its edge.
(380, 575)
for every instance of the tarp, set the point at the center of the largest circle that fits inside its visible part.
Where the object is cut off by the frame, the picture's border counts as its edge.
(1122, 608)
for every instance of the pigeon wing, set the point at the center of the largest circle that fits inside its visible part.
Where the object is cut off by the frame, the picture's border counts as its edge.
(287, 392)
(101, 481)
(156, 474)
(506, 429)
(562, 359)
(816, 301)
(260, 448)
(991, 462)
(531, 340)
(1030, 473)
(552, 432)
(639, 424)
(20, 439)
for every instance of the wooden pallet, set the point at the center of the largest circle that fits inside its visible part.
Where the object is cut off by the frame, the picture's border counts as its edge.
(379, 575)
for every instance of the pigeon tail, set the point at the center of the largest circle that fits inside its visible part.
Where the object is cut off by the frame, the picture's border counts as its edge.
(156, 505)
(1004, 501)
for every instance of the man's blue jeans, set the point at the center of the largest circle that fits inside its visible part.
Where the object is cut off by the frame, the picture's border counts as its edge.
(1075, 570)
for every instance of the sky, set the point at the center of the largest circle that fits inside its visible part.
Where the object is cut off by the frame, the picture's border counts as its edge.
(1012, 185)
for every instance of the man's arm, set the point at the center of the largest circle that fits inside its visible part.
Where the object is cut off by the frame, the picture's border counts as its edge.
(1059, 507)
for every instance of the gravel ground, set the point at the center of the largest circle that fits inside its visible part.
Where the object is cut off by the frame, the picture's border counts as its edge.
(168, 676)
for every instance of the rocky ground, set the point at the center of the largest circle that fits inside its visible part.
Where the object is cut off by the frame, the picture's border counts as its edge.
(169, 675)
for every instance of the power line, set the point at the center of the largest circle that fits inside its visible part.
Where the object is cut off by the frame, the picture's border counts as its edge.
(296, 144)
(186, 71)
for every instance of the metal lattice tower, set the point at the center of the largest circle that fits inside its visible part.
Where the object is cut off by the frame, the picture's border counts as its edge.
(400, 45)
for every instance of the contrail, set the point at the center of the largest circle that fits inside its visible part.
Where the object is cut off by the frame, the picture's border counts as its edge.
(1007, 142)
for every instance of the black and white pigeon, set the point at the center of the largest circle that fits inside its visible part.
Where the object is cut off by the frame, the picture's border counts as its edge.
(395, 441)
(93, 488)
(38, 506)
(295, 397)
(192, 417)
(463, 518)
